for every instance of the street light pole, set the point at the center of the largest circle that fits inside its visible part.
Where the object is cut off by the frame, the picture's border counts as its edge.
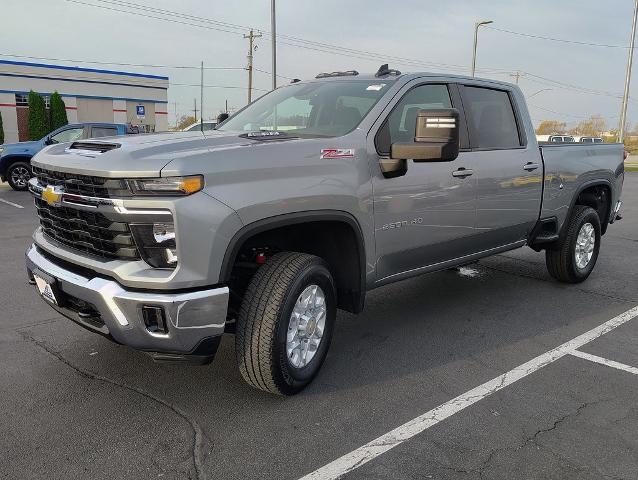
(625, 98)
(273, 33)
(476, 27)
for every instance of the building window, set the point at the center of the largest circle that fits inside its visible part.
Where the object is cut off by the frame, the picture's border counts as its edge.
(21, 100)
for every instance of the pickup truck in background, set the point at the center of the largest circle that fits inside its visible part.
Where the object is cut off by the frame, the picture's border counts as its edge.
(165, 242)
(15, 158)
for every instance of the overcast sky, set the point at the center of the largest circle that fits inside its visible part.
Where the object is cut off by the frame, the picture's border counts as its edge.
(428, 31)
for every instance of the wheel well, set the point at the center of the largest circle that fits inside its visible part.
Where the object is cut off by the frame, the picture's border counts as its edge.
(337, 242)
(597, 197)
(8, 161)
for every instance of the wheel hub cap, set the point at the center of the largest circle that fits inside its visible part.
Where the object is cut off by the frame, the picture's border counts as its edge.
(585, 243)
(306, 326)
(20, 176)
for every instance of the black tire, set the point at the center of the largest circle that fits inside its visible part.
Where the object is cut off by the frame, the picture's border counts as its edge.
(16, 175)
(561, 258)
(262, 324)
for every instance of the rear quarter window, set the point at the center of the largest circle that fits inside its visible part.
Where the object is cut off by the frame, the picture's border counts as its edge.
(97, 132)
(491, 117)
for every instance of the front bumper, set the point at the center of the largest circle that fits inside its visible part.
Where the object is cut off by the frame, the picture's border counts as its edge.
(195, 319)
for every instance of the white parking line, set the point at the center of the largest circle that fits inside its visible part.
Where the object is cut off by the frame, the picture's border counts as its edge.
(382, 444)
(604, 361)
(10, 203)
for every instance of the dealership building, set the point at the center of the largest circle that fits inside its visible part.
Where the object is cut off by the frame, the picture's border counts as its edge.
(90, 95)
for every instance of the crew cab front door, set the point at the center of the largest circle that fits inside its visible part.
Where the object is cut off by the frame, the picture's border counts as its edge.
(426, 216)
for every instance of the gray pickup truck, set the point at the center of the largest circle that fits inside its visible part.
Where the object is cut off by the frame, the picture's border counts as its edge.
(298, 205)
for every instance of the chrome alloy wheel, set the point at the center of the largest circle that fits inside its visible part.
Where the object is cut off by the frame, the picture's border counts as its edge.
(585, 243)
(306, 326)
(20, 176)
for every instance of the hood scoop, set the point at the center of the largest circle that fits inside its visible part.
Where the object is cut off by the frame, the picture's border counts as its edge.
(92, 147)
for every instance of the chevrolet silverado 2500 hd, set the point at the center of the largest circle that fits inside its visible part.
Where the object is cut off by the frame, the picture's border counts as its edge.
(297, 205)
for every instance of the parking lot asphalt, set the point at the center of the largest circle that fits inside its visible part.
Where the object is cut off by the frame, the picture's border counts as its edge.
(77, 406)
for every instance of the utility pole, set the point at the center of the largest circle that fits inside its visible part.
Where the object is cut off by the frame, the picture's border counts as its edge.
(195, 109)
(516, 76)
(175, 109)
(476, 28)
(226, 111)
(251, 37)
(273, 33)
(625, 98)
(201, 100)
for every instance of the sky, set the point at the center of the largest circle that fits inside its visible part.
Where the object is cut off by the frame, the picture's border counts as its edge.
(563, 81)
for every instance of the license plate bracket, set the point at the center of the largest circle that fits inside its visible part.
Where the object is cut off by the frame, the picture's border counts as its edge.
(47, 287)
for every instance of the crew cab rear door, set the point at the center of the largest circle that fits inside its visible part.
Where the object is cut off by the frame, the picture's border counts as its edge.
(427, 215)
(508, 165)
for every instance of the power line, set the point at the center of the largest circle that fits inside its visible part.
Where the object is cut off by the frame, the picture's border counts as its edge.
(214, 86)
(561, 40)
(288, 40)
(145, 65)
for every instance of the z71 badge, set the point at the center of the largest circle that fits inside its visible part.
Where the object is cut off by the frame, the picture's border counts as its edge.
(337, 153)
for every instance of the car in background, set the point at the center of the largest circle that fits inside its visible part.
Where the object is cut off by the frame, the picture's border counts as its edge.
(587, 139)
(199, 126)
(15, 158)
(555, 138)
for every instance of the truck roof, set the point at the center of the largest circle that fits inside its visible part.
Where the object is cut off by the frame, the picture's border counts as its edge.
(403, 76)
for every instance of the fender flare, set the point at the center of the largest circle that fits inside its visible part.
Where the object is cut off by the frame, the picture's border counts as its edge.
(296, 218)
(591, 183)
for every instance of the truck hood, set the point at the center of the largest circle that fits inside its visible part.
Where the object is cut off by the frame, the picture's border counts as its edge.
(26, 148)
(136, 156)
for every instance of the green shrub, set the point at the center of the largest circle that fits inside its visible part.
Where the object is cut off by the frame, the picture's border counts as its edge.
(38, 123)
(58, 112)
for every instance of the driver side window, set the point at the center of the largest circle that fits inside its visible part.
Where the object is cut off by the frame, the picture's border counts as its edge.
(401, 123)
(69, 135)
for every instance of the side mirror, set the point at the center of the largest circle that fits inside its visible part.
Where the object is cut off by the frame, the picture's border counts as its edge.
(436, 137)
(49, 141)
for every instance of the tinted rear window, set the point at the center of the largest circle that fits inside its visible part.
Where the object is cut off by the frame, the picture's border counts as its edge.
(97, 132)
(491, 117)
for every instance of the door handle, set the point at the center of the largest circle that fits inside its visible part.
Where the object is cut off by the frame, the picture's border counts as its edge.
(462, 172)
(530, 167)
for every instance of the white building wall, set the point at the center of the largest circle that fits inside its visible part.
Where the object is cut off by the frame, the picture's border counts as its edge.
(119, 111)
(71, 109)
(9, 117)
(161, 117)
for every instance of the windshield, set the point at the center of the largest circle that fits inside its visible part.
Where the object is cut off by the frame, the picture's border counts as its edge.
(320, 109)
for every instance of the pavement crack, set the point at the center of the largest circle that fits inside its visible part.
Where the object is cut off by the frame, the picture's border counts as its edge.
(531, 438)
(198, 434)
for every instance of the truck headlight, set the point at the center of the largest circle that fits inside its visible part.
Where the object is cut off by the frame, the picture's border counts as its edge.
(156, 242)
(167, 185)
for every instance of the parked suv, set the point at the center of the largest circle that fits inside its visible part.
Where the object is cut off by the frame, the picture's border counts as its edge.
(15, 158)
(165, 242)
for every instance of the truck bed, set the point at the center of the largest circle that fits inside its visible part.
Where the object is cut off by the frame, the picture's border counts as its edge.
(569, 167)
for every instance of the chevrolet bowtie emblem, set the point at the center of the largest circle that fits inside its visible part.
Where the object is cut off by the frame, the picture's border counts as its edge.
(52, 196)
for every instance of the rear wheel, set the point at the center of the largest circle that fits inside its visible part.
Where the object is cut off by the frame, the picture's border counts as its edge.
(574, 256)
(285, 323)
(18, 175)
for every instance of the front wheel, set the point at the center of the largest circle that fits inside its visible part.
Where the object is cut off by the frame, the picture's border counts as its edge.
(285, 323)
(573, 258)
(18, 175)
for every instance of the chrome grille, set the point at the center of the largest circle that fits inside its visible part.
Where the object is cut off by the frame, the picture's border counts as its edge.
(75, 184)
(89, 232)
